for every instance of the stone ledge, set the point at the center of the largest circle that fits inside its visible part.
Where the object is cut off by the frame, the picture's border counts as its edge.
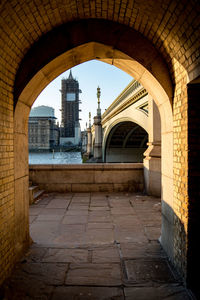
(97, 166)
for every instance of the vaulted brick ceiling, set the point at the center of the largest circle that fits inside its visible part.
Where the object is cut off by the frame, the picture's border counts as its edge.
(170, 25)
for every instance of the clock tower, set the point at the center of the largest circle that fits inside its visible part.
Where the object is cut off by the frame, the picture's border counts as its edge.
(70, 126)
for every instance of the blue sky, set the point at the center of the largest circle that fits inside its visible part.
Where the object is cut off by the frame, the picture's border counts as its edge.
(90, 75)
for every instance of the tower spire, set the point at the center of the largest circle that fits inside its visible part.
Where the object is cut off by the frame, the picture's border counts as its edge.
(70, 75)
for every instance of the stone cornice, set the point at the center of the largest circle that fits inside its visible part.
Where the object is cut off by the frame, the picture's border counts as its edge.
(142, 92)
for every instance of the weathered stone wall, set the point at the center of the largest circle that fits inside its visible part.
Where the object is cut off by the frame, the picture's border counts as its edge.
(88, 177)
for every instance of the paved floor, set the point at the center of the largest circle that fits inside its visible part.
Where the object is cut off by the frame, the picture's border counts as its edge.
(95, 246)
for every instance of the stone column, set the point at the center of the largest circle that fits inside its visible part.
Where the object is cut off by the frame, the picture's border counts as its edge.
(152, 160)
(89, 142)
(98, 138)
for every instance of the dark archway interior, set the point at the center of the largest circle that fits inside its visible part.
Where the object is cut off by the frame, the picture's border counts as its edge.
(126, 142)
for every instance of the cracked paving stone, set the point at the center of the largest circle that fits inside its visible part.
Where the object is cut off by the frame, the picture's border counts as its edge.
(94, 274)
(87, 293)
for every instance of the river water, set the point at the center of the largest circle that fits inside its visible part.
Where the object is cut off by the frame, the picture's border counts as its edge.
(56, 158)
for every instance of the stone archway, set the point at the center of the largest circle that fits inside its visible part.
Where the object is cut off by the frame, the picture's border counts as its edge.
(83, 41)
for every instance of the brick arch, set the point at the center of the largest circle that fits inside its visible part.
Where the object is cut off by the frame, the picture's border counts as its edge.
(71, 37)
(143, 62)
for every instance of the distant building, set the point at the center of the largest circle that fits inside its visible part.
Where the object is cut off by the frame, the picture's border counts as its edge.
(70, 126)
(43, 131)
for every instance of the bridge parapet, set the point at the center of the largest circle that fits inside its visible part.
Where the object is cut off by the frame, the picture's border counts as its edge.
(88, 177)
(131, 94)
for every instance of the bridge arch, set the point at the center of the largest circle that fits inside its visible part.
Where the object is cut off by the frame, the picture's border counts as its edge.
(129, 118)
(125, 142)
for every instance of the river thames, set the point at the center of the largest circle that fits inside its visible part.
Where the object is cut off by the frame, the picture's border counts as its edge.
(55, 158)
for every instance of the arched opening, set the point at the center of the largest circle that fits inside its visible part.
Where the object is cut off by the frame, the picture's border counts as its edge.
(83, 41)
(126, 142)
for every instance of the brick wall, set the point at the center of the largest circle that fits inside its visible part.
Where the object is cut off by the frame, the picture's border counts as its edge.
(180, 116)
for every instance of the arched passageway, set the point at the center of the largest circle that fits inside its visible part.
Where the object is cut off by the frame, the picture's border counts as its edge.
(147, 66)
(126, 142)
(176, 38)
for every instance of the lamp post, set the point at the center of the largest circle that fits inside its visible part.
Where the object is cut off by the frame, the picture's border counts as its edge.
(98, 101)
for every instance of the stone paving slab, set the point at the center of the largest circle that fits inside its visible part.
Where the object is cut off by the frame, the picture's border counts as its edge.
(152, 232)
(106, 255)
(80, 219)
(147, 270)
(100, 226)
(163, 292)
(99, 236)
(44, 231)
(94, 274)
(77, 206)
(47, 273)
(99, 219)
(76, 212)
(34, 210)
(52, 211)
(66, 255)
(95, 246)
(140, 249)
(87, 293)
(49, 217)
(130, 236)
(81, 200)
(70, 229)
(99, 208)
(32, 218)
(58, 203)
